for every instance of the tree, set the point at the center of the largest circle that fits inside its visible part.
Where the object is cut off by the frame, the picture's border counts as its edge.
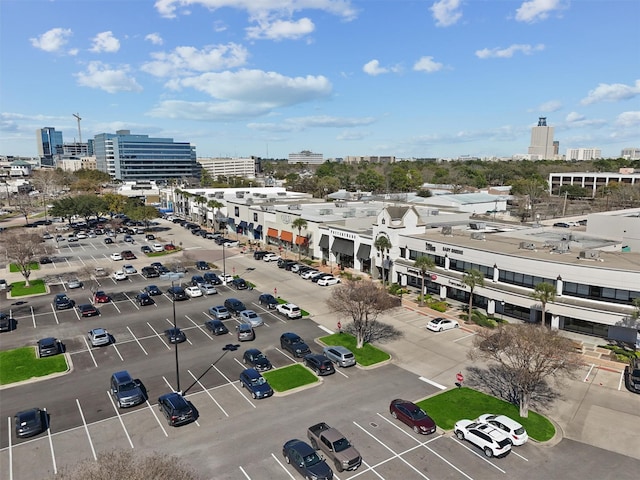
(424, 264)
(115, 203)
(526, 354)
(22, 249)
(25, 205)
(143, 213)
(544, 292)
(299, 223)
(472, 279)
(383, 245)
(361, 301)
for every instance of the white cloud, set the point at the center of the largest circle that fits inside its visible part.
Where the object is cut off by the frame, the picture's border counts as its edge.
(52, 40)
(574, 117)
(533, 10)
(628, 119)
(611, 93)
(426, 64)
(297, 124)
(102, 76)
(105, 42)
(509, 51)
(352, 135)
(186, 60)
(373, 68)
(548, 107)
(446, 12)
(281, 29)
(154, 38)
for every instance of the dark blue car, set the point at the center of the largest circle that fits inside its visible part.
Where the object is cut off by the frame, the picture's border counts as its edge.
(306, 460)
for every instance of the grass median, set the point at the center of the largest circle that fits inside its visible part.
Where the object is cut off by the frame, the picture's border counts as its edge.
(35, 287)
(287, 378)
(366, 356)
(13, 268)
(22, 364)
(452, 405)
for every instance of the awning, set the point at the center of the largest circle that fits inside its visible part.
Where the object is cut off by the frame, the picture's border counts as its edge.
(250, 227)
(243, 224)
(364, 251)
(324, 241)
(342, 246)
(301, 240)
(286, 236)
(272, 232)
(258, 228)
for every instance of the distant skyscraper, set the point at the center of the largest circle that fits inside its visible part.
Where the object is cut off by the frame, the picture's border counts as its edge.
(49, 144)
(542, 145)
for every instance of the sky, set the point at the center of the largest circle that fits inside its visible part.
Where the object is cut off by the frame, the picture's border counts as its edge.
(411, 79)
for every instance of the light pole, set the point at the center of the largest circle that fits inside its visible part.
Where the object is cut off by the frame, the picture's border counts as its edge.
(501, 310)
(224, 266)
(175, 345)
(229, 347)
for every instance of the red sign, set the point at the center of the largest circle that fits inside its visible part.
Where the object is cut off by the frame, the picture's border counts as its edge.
(434, 276)
(459, 377)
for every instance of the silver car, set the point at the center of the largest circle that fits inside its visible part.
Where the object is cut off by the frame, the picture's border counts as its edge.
(340, 355)
(99, 337)
(251, 317)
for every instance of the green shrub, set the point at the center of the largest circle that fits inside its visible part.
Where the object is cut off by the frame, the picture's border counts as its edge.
(439, 306)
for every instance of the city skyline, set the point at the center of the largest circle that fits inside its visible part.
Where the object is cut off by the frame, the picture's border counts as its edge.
(237, 78)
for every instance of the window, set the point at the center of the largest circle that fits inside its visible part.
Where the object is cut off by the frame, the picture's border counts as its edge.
(255, 217)
(236, 211)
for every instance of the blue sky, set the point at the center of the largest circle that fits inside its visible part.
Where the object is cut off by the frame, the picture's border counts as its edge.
(270, 77)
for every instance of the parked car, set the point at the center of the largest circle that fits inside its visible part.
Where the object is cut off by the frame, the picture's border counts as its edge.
(208, 289)
(87, 310)
(48, 347)
(177, 409)
(305, 460)
(126, 391)
(219, 312)
(157, 247)
(62, 302)
(256, 359)
(234, 306)
(202, 265)
(146, 249)
(31, 422)
(439, 324)
(212, 278)
(7, 323)
(143, 299)
(152, 290)
(239, 284)
(490, 439)
(340, 355)
(294, 344)
(98, 337)
(74, 283)
(226, 278)
(169, 247)
(175, 335)
(319, 364)
(129, 269)
(197, 280)
(193, 292)
(101, 297)
(100, 272)
(128, 255)
(255, 384)
(231, 243)
(289, 310)
(216, 327)
(335, 446)
(251, 317)
(269, 300)
(309, 273)
(119, 275)
(108, 241)
(314, 277)
(176, 293)
(149, 272)
(328, 280)
(45, 260)
(245, 332)
(259, 254)
(412, 415)
(270, 257)
(632, 375)
(115, 256)
(516, 432)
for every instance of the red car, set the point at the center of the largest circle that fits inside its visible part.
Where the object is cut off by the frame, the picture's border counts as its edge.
(169, 246)
(412, 415)
(101, 297)
(128, 255)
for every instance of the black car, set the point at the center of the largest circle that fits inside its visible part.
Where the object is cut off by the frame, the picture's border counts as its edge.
(44, 260)
(62, 302)
(220, 240)
(234, 305)
(177, 293)
(256, 359)
(305, 460)
(149, 272)
(108, 240)
(144, 299)
(177, 409)
(202, 265)
(286, 264)
(319, 364)
(48, 347)
(259, 254)
(239, 284)
(216, 327)
(294, 344)
(146, 249)
(197, 280)
(6, 323)
(31, 422)
(88, 310)
(175, 335)
(255, 383)
(269, 300)
(212, 278)
(152, 290)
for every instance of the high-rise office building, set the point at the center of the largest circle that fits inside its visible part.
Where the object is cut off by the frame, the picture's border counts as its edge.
(306, 157)
(542, 145)
(138, 157)
(50, 145)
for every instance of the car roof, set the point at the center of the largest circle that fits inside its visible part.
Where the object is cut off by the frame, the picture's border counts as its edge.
(299, 446)
(339, 348)
(98, 331)
(291, 335)
(47, 340)
(511, 423)
(252, 373)
(245, 326)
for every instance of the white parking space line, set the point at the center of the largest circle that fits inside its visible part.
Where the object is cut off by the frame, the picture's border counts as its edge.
(234, 386)
(462, 338)
(90, 352)
(115, 408)
(286, 355)
(199, 327)
(481, 457)
(447, 461)
(55, 315)
(168, 384)
(341, 373)
(158, 335)
(586, 378)
(86, 429)
(621, 382)
(329, 331)
(117, 351)
(33, 317)
(53, 454)
(244, 473)
(75, 310)
(157, 419)
(368, 469)
(10, 449)
(431, 382)
(116, 307)
(240, 363)
(134, 303)
(513, 452)
(137, 341)
(283, 467)
(208, 393)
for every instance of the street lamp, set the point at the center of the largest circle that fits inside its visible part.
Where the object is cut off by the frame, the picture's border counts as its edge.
(502, 310)
(224, 266)
(175, 345)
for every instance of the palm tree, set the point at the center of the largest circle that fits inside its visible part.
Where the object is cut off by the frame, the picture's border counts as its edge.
(201, 201)
(383, 245)
(216, 206)
(425, 264)
(299, 223)
(472, 279)
(544, 292)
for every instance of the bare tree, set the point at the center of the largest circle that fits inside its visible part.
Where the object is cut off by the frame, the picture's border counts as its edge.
(362, 302)
(527, 355)
(25, 204)
(129, 465)
(22, 249)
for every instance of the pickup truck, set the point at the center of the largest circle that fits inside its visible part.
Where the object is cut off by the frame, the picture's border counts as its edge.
(335, 446)
(289, 310)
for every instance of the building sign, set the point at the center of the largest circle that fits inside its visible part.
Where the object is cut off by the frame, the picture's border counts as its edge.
(286, 219)
(458, 284)
(341, 234)
(429, 247)
(453, 250)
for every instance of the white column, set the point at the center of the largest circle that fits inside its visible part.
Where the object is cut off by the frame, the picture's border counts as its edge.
(555, 321)
(496, 273)
(491, 307)
(446, 262)
(443, 292)
(559, 286)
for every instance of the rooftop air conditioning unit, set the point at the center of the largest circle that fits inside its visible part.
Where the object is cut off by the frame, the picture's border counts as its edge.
(477, 225)
(478, 236)
(219, 194)
(447, 230)
(239, 194)
(527, 246)
(590, 254)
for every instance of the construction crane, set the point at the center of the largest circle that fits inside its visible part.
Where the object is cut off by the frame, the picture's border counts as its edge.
(77, 115)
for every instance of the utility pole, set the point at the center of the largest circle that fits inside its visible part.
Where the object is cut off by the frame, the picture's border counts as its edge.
(77, 115)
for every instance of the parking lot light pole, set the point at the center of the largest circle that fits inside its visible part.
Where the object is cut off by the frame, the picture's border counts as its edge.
(224, 267)
(229, 347)
(175, 345)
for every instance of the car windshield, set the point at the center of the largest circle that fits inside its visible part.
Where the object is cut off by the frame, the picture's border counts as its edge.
(127, 387)
(252, 315)
(504, 443)
(341, 445)
(258, 381)
(519, 431)
(311, 459)
(417, 413)
(49, 343)
(259, 356)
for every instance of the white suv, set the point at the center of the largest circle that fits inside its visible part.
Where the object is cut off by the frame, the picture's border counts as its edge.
(493, 441)
(516, 432)
(289, 310)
